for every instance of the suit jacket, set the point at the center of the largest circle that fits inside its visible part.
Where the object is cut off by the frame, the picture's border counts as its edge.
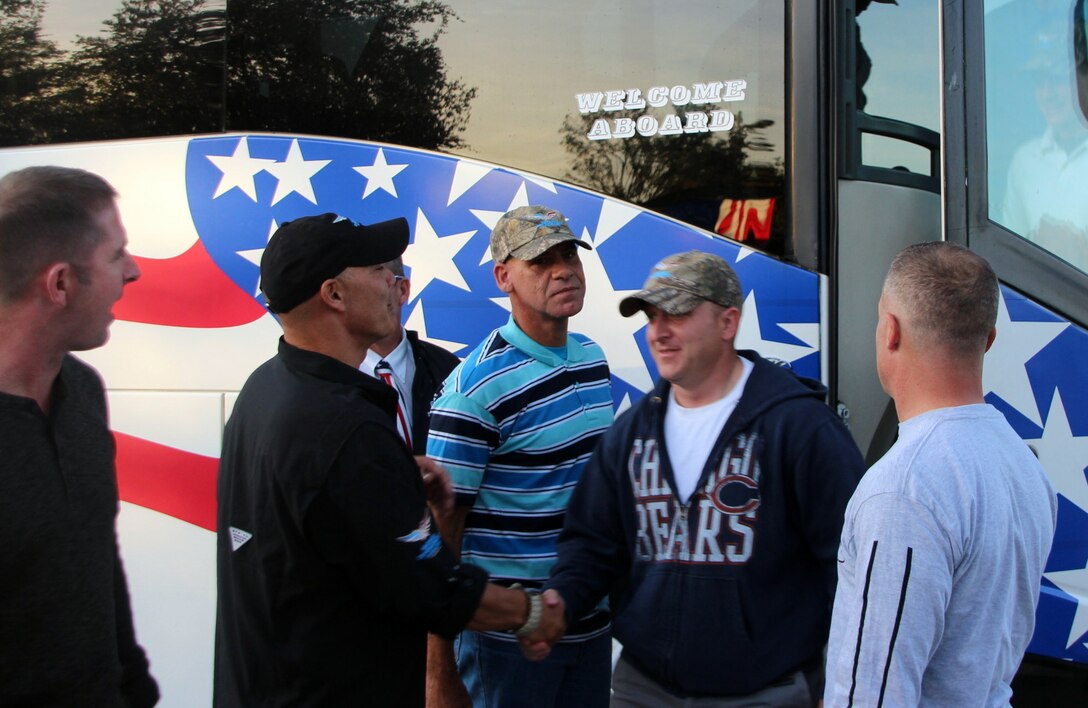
(433, 365)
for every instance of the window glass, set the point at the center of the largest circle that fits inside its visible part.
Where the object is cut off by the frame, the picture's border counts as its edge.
(679, 107)
(1036, 130)
(589, 74)
(898, 75)
(881, 151)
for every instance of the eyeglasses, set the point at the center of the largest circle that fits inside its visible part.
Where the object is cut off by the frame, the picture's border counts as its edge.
(398, 278)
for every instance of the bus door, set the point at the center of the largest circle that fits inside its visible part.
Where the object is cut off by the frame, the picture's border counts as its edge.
(887, 186)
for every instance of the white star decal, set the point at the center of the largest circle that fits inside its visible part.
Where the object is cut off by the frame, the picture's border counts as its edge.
(417, 322)
(238, 170)
(614, 216)
(1004, 371)
(379, 175)
(1075, 584)
(807, 332)
(1063, 455)
(542, 183)
(253, 255)
(430, 256)
(745, 251)
(601, 321)
(294, 175)
(465, 177)
(750, 336)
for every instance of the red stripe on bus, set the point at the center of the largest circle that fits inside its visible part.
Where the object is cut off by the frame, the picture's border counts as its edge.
(164, 479)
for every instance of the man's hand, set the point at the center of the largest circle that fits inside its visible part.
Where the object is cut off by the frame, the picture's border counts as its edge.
(553, 624)
(437, 484)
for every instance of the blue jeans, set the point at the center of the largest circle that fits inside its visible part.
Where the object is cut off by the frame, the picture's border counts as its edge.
(496, 674)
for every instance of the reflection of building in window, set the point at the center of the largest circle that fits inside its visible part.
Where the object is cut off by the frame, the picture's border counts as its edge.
(1045, 200)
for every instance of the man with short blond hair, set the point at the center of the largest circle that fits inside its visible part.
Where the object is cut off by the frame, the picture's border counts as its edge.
(945, 539)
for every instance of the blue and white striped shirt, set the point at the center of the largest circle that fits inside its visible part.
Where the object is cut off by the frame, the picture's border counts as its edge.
(515, 424)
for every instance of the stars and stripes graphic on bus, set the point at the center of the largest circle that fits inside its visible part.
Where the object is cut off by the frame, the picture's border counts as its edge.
(240, 189)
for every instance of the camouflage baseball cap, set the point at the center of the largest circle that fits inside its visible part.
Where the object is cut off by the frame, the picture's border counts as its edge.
(528, 231)
(681, 281)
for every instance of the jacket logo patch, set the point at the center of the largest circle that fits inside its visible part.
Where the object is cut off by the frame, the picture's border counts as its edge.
(735, 494)
(422, 535)
(418, 534)
(238, 538)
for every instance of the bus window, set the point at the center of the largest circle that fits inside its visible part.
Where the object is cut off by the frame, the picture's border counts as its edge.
(895, 154)
(891, 93)
(677, 107)
(1037, 130)
(897, 76)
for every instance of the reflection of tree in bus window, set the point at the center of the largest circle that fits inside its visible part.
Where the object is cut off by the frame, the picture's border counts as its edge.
(863, 63)
(1044, 201)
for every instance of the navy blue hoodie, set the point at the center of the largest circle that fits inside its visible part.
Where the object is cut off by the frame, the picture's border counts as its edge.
(731, 591)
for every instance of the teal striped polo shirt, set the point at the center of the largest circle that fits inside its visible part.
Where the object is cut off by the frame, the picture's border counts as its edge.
(515, 424)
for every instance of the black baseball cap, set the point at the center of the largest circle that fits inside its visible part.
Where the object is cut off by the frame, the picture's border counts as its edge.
(306, 252)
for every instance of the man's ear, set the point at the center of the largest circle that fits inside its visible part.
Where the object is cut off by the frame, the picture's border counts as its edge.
(405, 290)
(990, 339)
(893, 332)
(730, 319)
(332, 295)
(57, 280)
(502, 278)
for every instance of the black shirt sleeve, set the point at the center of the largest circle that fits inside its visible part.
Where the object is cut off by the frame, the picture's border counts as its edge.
(372, 520)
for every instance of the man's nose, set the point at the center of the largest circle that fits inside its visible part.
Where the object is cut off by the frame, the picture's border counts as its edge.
(131, 271)
(562, 269)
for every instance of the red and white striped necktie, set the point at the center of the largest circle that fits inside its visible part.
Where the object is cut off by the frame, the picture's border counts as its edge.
(385, 372)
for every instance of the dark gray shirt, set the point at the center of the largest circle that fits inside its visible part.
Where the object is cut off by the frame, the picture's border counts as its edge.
(66, 634)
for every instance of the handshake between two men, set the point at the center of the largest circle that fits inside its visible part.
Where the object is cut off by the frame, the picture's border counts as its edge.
(545, 618)
(546, 625)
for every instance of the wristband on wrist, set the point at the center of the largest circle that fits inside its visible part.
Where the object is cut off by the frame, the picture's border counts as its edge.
(536, 610)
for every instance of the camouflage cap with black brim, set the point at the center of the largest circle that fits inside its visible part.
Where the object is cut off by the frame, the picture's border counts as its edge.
(678, 283)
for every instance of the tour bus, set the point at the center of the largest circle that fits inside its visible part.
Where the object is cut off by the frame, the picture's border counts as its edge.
(805, 142)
